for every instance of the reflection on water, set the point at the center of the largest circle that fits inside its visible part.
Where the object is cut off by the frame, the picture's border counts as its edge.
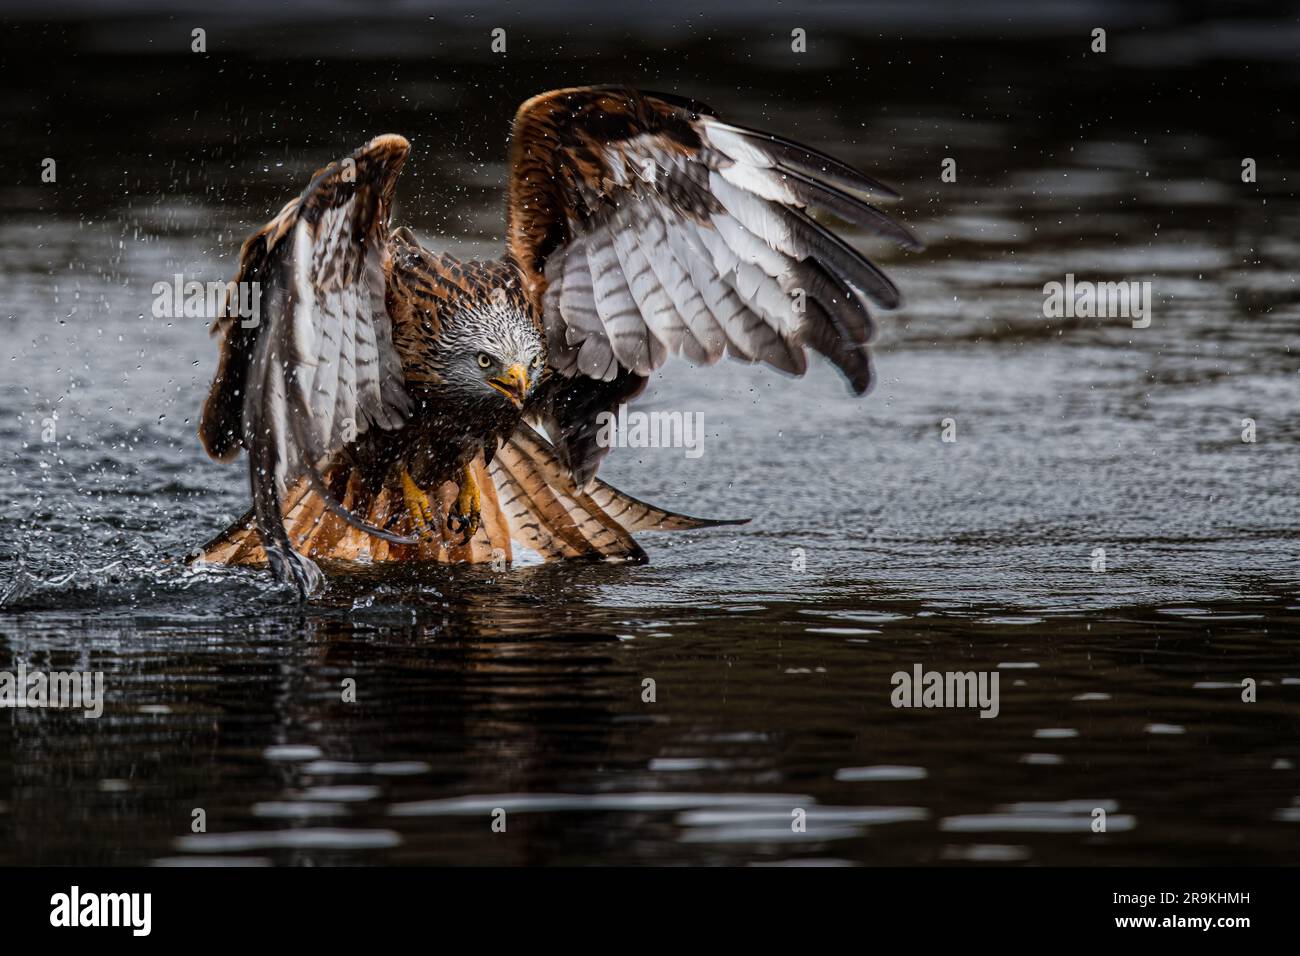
(521, 697)
(528, 704)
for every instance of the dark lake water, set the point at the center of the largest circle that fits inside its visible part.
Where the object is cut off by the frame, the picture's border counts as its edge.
(523, 691)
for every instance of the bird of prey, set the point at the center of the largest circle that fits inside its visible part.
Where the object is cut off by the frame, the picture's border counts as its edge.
(389, 397)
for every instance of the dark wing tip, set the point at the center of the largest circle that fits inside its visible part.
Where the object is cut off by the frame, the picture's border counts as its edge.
(716, 522)
(790, 154)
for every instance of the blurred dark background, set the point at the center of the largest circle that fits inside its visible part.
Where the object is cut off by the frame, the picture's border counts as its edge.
(114, 91)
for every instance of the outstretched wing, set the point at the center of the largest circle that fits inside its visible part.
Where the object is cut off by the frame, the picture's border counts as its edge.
(316, 367)
(645, 226)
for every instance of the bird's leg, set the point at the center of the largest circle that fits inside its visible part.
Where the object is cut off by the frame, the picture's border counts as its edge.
(419, 507)
(465, 515)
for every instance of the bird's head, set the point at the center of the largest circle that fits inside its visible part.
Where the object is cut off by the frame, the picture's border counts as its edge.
(492, 355)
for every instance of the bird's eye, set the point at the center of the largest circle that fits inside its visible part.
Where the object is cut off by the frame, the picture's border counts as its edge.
(484, 360)
(537, 362)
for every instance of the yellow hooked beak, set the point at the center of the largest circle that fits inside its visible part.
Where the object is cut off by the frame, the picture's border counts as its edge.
(513, 384)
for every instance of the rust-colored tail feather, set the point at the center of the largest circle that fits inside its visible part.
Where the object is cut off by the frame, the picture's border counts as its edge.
(528, 496)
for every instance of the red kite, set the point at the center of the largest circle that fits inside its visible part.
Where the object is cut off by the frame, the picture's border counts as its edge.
(386, 394)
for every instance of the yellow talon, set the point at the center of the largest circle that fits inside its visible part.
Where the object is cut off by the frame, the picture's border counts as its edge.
(419, 507)
(465, 516)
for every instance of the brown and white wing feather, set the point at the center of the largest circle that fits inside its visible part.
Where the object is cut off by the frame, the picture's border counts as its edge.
(319, 367)
(646, 227)
(332, 328)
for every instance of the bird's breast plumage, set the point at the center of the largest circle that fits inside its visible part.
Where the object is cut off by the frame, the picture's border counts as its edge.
(440, 305)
